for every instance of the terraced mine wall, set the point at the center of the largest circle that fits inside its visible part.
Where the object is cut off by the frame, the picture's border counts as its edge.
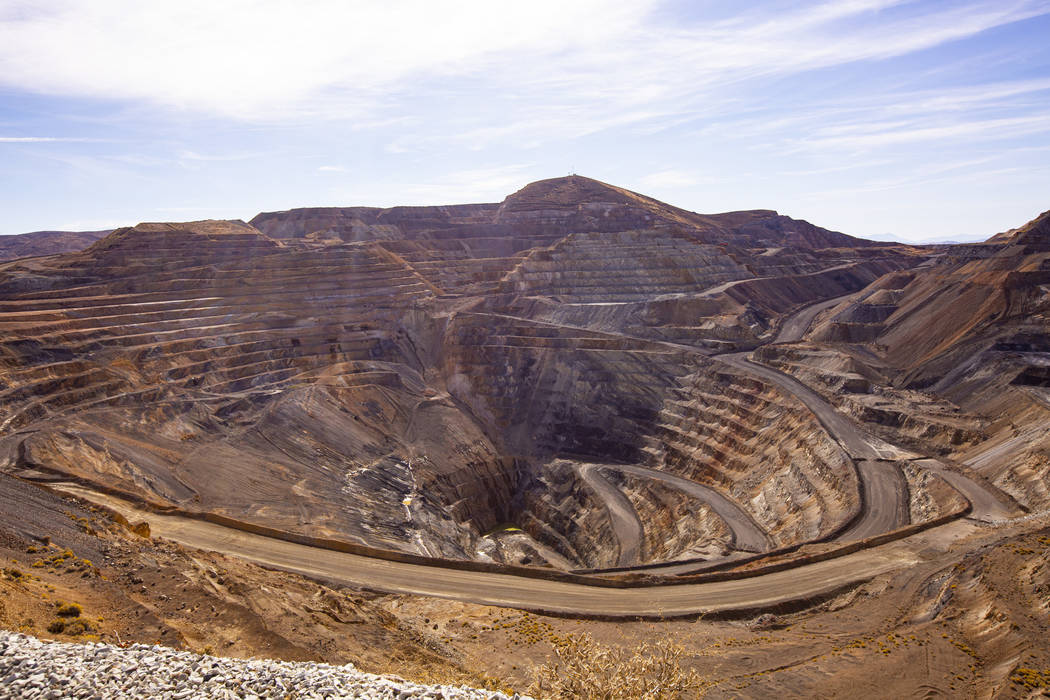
(414, 379)
(762, 448)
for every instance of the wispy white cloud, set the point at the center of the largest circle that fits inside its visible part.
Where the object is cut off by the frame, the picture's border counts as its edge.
(879, 135)
(331, 169)
(267, 59)
(862, 126)
(216, 157)
(260, 59)
(953, 99)
(89, 166)
(193, 160)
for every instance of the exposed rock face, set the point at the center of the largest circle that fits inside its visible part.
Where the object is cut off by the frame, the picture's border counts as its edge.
(450, 381)
(954, 357)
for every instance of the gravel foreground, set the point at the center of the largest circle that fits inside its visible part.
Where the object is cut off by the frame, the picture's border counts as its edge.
(31, 668)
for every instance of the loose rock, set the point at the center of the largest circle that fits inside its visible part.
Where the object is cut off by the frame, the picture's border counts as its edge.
(31, 668)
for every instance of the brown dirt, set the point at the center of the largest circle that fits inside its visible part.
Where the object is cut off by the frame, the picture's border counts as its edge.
(968, 630)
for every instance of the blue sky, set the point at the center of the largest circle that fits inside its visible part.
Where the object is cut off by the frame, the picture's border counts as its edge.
(920, 120)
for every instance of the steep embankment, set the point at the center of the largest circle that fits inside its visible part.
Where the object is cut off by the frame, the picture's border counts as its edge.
(969, 330)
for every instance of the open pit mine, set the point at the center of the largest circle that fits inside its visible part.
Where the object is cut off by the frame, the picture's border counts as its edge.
(578, 401)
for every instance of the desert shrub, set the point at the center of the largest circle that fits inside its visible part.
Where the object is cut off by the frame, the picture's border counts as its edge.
(77, 627)
(68, 610)
(584, 668)
(57, 625)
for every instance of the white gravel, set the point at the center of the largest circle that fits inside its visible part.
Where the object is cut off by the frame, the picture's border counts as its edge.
(31, 668)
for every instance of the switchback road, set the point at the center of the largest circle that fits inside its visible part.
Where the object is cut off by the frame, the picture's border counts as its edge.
(882, 512)
(747, 535)
(625, 521)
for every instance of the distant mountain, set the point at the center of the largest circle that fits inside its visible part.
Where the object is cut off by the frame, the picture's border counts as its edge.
(563, 204)
(47, 243)
(941, 240)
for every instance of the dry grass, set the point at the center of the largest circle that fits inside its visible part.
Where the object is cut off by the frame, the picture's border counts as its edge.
(584, 668)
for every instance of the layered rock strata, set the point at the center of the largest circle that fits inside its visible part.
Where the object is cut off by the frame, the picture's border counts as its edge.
(525, 382)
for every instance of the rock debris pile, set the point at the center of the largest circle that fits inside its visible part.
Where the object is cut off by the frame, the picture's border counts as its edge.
(31, 668)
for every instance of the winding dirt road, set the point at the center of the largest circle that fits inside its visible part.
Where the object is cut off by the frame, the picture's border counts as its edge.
(761, 592)
(797, 325)
(884, 492)
(626, 524)
(747, 535)
(987, 504)
(882, 511)
(885, 500)
(848, 435)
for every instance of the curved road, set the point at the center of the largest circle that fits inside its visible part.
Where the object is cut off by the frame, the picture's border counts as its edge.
(886, 500)
(505, 590)
(626, 524)
(884, 491)
(746, 533)
(882, 512)
(986, 504)
(726, 286)
(852, 438)
(797, 325)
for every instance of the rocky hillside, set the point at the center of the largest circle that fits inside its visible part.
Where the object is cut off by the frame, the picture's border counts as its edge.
(962, 354)
(414, 379)
(578, 383)
(24, 245)
(463, 382)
